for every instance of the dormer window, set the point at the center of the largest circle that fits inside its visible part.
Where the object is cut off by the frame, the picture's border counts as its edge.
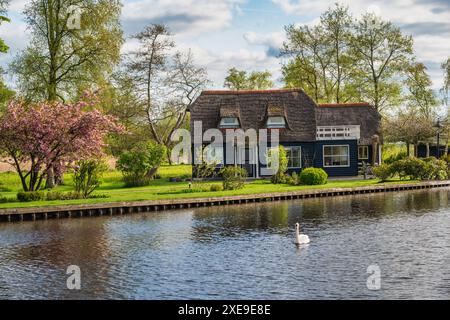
(229, 122)
(276, 122)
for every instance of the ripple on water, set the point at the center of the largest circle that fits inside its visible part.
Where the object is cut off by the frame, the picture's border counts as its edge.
(239, 252)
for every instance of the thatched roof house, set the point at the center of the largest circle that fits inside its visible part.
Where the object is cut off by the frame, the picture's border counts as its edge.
(336, 137)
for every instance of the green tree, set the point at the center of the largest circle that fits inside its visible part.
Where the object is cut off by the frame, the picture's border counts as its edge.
(446, 69)
(321, 62)
(256, 80)
(3, 18)
(168, 83)
(6, 94)
(383, 52)
(421, 97)
(63, 57)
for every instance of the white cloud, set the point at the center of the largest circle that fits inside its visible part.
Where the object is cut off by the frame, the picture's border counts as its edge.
(425, 20)
(18, 5)
(273, 39)
(398, 11)
(218, 63)
(183, 16)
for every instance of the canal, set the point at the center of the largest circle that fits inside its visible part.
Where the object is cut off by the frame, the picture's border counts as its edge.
(239, 252)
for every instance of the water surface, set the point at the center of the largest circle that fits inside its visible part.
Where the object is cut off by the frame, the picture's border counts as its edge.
(239, 252)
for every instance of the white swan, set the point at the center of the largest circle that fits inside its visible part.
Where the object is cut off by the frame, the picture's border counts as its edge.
(300, 238)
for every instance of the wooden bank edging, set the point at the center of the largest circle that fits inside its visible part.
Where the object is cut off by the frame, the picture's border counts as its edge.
(119, 208)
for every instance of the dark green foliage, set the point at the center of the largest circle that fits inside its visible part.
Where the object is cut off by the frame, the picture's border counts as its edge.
(216, 187)
(313, 176)
(383, 171)
(233, 177)
(139, 165)
(57, 195)
(280, 176)
(293, 179)
(414, 168)
(28, 196)
(87, 176)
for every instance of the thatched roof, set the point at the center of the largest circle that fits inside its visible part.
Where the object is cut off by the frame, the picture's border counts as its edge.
(302, 114)
(255, 106)
(362, 114)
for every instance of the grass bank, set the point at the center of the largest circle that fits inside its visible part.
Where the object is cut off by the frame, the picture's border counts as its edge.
(160, 189)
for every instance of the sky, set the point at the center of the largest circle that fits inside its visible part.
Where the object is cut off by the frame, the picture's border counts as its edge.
(247, 33)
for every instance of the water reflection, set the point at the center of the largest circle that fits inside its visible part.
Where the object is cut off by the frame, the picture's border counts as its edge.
(243, 251)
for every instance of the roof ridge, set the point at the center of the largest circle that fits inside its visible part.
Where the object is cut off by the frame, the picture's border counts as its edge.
(237, 92)
(347, 104)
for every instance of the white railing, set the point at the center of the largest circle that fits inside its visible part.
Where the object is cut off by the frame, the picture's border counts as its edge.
(349, 132)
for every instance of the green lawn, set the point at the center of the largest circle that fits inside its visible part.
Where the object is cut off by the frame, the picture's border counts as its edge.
(113, 188)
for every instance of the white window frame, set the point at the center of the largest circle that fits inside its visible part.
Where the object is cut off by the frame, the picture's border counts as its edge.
(332, 145)
(300, 151)
(236, 123)
(367, 152)
(348, 132)
(276, 125)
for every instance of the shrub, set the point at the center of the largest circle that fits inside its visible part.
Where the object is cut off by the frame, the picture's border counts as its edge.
(414, 168)
(233, 177)
(28, 196)
(280, 175)
(293, 179)
(383, 171)
(434, 169)
(5, 199)
(313, 176)
(395, 157)
(57, 195)
(139, 165)
(87, 176)
(216, 187)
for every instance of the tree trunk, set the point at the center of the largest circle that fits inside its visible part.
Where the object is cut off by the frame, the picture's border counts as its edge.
(50, 182)
(428, 149)
(408, 151)
(415, 149)
(374, 152)
(152, 172)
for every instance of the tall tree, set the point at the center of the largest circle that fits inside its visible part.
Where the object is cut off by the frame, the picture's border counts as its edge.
(321, 61)
(3, 18)
(383, 52)
(6, 94)
(168, 81)
(241, 80)
(50, 134)
(446, 69)
(420, 97)
(74, 45)
(64, 56)
(337, 23)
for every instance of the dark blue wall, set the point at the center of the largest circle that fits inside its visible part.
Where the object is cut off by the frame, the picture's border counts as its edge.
(352, 170)
(422, 151)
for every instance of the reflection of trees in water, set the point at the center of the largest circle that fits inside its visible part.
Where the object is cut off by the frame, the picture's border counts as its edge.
(233, 220)
(53, 246)
(277, 216)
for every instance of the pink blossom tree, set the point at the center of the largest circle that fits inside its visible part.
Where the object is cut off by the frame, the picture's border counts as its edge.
(35, 138)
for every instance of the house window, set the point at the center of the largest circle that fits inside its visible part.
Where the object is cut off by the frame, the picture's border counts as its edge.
(276, 122)
(229, 123)
(294, 155)
(213, 154)
(363, 152)
(336, 156)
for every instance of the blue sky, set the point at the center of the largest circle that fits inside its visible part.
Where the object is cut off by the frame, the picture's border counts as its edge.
(247, 33)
